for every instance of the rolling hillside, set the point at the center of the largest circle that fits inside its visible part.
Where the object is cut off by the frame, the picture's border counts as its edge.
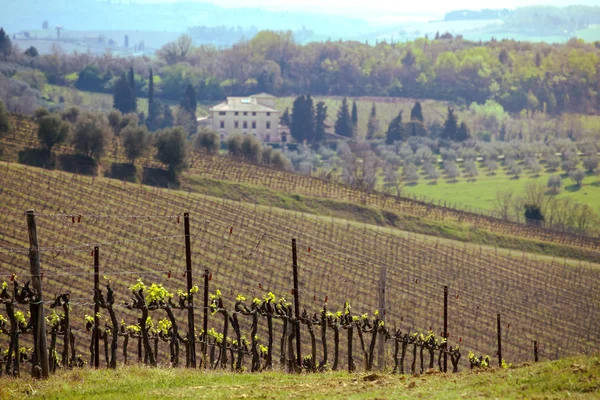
(247, 250)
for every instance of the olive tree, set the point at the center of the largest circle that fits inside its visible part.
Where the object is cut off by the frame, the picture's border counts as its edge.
(136, 141)
(52, 130)
(170, 147)
(92, 133)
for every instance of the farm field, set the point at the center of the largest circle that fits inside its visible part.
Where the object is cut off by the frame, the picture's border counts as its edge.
(247, 248)
(572, 377)
(481, 193)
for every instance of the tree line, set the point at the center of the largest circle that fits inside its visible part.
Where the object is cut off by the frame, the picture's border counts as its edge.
(537, 77)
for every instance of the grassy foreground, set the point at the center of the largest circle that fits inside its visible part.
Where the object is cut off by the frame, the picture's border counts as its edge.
(573, 377)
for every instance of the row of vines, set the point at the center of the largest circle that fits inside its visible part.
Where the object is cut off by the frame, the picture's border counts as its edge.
(225, 168)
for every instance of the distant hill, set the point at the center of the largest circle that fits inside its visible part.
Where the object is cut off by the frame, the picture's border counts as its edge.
(86, 15)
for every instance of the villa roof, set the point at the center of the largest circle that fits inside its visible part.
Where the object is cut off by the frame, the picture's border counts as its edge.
(243, 104)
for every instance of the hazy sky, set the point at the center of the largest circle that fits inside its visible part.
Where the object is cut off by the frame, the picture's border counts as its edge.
(358, 7)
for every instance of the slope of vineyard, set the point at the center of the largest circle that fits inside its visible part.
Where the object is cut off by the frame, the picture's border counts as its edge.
(224, 168)
(247, 249)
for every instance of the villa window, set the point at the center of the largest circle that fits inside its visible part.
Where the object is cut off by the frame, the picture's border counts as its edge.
(253, 124)
(268, 124)
(254, 114)
(222, 113)
(222, 124)
(236, 124)
(245, 125)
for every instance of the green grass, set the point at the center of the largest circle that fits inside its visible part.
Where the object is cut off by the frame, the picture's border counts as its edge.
(482, 192)
(89, 100)
(577, 377)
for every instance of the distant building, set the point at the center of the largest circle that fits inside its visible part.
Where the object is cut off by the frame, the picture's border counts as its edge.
(254, 115)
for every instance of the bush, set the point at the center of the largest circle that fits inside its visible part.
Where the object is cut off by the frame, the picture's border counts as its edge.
(252, 149)
(451, 169)
(208, 141)
(590, 163)
(91, 134)
(136, 142)
(52, 130)
(409, 172)
(171, 149)
(491, 165)
(471, 168)
(70, 114)
(4, 120)
(577, 175)
(554, 183)
(234, 145)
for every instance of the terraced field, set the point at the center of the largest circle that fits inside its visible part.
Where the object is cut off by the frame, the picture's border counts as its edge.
(248, 251)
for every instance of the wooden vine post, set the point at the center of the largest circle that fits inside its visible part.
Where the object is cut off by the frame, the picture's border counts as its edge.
(190, 305)
(499, 342)
(41, 347)
(445, 328)
(96, 334)
(535, 351)
(382, 313)
(296, 303)
(205, 321)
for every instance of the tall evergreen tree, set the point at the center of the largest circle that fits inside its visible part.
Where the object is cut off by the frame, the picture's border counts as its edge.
(320, 117)
(343, 124)
(354, 116)
(285, 119)
(450, 126)
(417, 121)
(302, 119)
(122, 95)
(373, 124)
(462, 133)
(5, 45)
(133, 98)
(189, 101)
(151, 95)
(396, 131)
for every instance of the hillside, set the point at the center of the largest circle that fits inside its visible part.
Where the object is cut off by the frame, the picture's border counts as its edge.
(247, 248)
(573, 377)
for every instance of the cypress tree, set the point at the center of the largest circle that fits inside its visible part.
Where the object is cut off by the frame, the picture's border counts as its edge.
(320, 117)
(296, 123)
(462, 133)
(189, 101)
(373, 124)
(285, 119)
(343, 124)
(417, 120)
(354, 116)
(450, 126)
(150, 93)
(396, 131)
(133, 98)
(122, 95)
(5, 44)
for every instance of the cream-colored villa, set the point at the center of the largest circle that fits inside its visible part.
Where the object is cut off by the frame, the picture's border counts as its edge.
(254, 115)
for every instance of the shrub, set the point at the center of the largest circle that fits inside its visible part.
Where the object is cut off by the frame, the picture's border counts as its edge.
(136, 142)
(207, 140)
(590, 163)
(52, 130)
(554, 183)
(471, 168)
(170, 149)
(4, 120)
(91, 134)
(409, 172)
(577, 175)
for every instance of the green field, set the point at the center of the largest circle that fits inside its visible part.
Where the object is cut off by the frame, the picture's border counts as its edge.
(577, 378)
(481, 193)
